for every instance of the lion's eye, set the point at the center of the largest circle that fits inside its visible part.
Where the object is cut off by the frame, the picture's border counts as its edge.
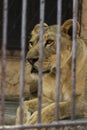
(48, 42)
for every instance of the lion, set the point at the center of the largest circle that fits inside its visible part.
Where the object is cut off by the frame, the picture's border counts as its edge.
(49, 76)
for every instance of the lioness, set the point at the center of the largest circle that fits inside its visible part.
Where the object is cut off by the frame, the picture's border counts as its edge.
(49, 76)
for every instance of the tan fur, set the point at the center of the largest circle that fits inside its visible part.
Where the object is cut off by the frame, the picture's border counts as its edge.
(49, 77)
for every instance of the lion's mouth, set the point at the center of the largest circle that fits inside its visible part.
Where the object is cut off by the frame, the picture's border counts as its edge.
(35, 71)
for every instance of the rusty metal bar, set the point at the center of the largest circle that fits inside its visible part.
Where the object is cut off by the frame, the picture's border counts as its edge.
(42, 6)
(62, 123)
(4, 42)
(23, 40)
(75, 6)
(59, 10)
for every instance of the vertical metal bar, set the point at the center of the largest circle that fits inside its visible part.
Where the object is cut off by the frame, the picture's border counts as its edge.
(42, 6)
(4, 42)
(23, 39)
(75, 6)
(59, 10)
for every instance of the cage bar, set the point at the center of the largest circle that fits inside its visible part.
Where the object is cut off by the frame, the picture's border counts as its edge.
(42, 6)
(23, 40)
(75, 5)
(59, 10)
(58, 124)
(4, 43)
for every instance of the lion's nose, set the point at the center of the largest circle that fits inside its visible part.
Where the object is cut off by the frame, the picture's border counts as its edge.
(32, 60)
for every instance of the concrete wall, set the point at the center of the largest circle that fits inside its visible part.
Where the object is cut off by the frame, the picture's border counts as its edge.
(84, 20)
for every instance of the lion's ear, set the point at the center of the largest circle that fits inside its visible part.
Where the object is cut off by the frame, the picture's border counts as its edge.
(67, 27)
(37, 28)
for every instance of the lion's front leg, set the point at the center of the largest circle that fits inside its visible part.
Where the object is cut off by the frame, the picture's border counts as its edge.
(29, 107)
(48, 113)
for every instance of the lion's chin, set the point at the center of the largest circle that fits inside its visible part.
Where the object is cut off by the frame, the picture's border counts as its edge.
(34, 76)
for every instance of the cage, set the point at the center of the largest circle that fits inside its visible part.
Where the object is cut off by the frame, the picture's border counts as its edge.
(17, 39)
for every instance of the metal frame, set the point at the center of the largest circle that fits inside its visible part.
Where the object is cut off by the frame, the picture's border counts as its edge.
(4, 42)
(58, 123)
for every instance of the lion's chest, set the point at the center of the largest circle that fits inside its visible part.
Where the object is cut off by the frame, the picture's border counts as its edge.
(49, 84)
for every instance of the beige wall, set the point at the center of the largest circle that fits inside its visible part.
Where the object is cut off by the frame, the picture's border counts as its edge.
(84, 20)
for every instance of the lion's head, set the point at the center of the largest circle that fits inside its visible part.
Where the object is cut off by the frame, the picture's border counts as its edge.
(49, 46)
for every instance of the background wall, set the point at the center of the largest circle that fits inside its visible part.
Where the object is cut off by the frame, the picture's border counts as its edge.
(84, 21)
(14, 18)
